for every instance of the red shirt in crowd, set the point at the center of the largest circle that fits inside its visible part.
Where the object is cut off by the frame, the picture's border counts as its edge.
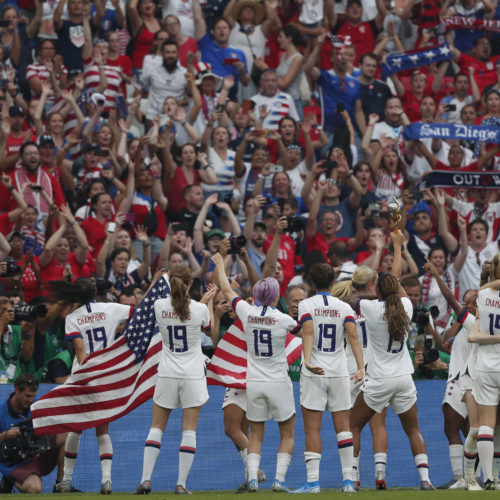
(318, 242)
(286, 257)
(484, 72)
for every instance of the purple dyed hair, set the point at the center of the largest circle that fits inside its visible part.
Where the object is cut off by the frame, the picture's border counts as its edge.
(265, 291)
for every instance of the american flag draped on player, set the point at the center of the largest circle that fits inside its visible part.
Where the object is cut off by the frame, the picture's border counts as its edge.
(110, 383)
(229, 362)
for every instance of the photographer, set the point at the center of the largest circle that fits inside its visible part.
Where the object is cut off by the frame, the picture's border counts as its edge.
(16, 344)
(423, 317)
(26, 475)
(428, 362)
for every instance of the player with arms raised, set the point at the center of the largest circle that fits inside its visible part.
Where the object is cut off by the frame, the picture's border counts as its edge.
(269, 388)
(389, 366)
(324, 378)
(91, 326)
(181, 373)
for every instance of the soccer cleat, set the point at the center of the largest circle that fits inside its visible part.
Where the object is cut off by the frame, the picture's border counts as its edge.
(261, 476)
(460, 484)
(144, 488)
(106, 488)
(312, 487)
(278, 486)
(348, 486)
(380, 483)
(242, 488)
(253, 486)
(426, 485)
(447, 485)
(472, 485)
(63, 487)
(357, 485)
(490, 485)
(180, 490)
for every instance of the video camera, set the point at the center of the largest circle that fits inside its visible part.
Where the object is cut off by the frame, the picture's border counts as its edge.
(27, 445)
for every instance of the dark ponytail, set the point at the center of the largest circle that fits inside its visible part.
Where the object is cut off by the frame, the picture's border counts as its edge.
(80, 291)
(180, 278)
(398, 322)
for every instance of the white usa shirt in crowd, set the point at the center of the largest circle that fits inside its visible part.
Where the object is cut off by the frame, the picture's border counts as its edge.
(488, 306)
(265, 330)
(181, 355)
(329, 315)
(385, 357)
(278, 106)
(95, 323)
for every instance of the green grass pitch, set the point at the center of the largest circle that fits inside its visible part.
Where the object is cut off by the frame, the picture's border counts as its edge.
(265, 494)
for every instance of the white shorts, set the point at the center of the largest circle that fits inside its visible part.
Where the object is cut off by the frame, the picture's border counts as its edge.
(486, 389)
(466, 383)
(236, 397)
(171, 393)
(325, 393)
(399, 392)
(453, 396)
(267, 400)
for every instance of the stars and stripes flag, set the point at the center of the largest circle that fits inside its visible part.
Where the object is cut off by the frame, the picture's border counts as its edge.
(228, 366)
(401, 61)
(110, 383)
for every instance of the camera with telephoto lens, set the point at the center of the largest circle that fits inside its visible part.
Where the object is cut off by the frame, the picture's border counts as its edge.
(27, 445)
(295, 224)
(237, 243)
(421, 317)
(12, 268)
(430, 355)
(102, 286)
(24, 312)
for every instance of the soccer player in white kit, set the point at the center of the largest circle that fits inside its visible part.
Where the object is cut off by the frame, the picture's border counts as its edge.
(324, 377)
(181, 373)
(389, 366)
(364, 281)
(91, 326)
(457, 406)
(269, 388)
(486, 389)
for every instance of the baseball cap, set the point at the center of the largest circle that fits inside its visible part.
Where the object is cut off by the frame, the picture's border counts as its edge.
(16, 111)
(216, 232)
(45, 139)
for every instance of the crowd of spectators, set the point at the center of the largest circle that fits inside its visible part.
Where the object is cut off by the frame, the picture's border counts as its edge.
(139, 135)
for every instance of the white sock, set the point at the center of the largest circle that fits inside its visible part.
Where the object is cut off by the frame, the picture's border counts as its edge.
(355, 469)
(282, 463)
(457, 460)
(496, 452)
(105, 455)
(345, 445)
(253, 461)
(312, 465)
(470, 453)
(186, 456)
(485, 451)
(70, 454)
(151, 452)
(380, 462)
(422, 464)
(244, 456)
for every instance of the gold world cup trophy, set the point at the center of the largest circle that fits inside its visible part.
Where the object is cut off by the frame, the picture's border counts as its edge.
(395, 211)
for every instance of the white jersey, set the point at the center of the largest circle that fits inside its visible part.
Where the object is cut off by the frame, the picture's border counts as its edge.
(181, 355)
(95, 323)
(278, 106)
(461, 348)
(265, 330)
(329, 315)
(385, 357)
(488, 305)
(363, 341)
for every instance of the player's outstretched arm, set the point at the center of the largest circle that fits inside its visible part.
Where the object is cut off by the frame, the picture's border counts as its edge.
(478, 337)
